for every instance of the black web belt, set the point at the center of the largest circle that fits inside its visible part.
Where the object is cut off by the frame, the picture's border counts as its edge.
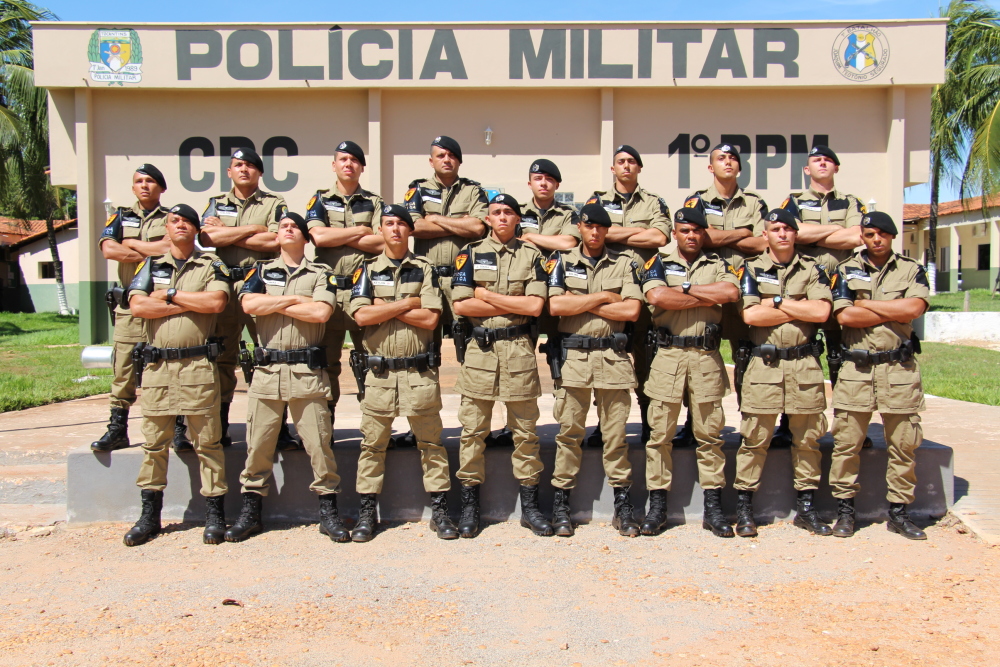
(444, 271)
(420, 362)
(315, 357)
(708, 342)
(865, 358)
(343, 282)
(151, 355)
(486, 337)
(238, 273)
(617, 342)
(772, 353)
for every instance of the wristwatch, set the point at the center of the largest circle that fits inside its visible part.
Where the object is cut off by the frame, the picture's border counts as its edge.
(777, 301)
(686, 287)
(171, 293)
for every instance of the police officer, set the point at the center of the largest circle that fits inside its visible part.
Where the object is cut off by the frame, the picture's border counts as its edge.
(131, 235)
(877, 294)
(593, 292)
(734, 215)
(342, 223)
(641, 222)
(546, 223)
(786, 296)
(290, 299)
(500, 286)
(686, 291)
(828, 232)
(396, 299)
(242, 226)
(179, 295)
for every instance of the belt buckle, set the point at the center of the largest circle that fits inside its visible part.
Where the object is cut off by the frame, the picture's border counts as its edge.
(769, 353)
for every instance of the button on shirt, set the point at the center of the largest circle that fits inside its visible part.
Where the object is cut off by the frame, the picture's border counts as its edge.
(639, 209)
(328, 208)
(428, 196)
(260, 208)
(745, 210)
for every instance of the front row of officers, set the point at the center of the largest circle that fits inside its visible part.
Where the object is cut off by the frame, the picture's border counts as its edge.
(497, 289)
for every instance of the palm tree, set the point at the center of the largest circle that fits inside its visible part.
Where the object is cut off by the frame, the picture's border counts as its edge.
(965, 111)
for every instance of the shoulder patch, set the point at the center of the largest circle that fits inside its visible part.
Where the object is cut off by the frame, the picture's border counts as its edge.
(356, 276)
(141, 264)
(737, 272)
(409, 194)
(550, 264)
(649, 264)
(220, 267)
(111, 218)
(312, 202)
(823, 278)
(692, 202)
(731, 269)
(593, 200)
(460, 260)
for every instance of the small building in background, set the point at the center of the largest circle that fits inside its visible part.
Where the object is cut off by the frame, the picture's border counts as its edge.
(27, 272)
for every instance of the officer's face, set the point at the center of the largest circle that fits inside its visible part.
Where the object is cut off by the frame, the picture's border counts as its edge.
(626, 169)
(395, 232)
(690, 238)
(820, 167)
(289, 234)
(180, 231)
(593, 235)
(347, 167)
(779, 235)
(444, 162)
(543, 186)
(243, 173)
(879, 243)
(503, 221)
(724, 166)
(145, 189)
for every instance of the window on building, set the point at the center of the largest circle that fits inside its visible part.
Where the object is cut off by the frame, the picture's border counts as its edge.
(564, 197)
(984, 257)
(943, 256)
(47, 270)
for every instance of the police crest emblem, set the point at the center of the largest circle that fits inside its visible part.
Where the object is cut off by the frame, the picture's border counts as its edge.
(115, 57)
(861, 52)
(460, 260)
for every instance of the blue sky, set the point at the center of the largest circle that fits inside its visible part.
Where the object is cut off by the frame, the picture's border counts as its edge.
(135, 11)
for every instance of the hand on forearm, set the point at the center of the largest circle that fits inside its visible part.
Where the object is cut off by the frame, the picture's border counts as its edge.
(811, 233)
(265, 304)
(565, 305)
(860, 318)
(518, 305)
(260, 242)
(807, 310)
(382, 311)
(547, 242)
(466, 227)
(309, 311)
(372, 244)
(903, 311)
(673, 298)
(843, 238)
(426, 227)
(718, 238)
(424, 318)
(620, 311)
(716, 293)
(765, 314)
(477, 308)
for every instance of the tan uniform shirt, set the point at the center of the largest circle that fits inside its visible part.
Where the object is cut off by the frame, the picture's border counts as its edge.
(573, 273)
(832, 208)
(185, 386)
(514, 268)
(803, 278)
(261, 208)
(745, 210)
(900, 278)
(428, 196)
(640, 209)
(705, 370)
(277, 331)
(394, 338)
(556, 220)
(328, 208)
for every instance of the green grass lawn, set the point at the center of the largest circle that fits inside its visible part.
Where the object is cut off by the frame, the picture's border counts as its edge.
(954, 302)
(40, 359)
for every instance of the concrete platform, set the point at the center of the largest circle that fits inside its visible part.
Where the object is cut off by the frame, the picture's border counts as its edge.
(101, 487)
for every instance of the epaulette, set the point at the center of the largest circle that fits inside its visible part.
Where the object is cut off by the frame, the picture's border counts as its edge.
(417, 182)
(469, 181)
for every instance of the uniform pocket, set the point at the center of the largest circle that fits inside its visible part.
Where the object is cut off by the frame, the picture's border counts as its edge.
(618, 370)
(266, 383)
(613, 285)
(198, 388)
(425, 391)
(812, 389)
(379, 400)
(763, 387)
(517, 280)
(712, 381)
(308, 384)
(905, 388)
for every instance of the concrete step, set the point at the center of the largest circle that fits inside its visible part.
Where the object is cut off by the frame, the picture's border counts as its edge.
(41, 484)
(17, 518)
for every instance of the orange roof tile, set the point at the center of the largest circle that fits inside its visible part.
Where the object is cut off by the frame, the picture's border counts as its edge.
(915, 212)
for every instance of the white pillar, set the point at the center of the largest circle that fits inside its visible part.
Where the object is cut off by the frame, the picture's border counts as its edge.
(953, 267)
(892, 201)
(374, 158)
(607, 133)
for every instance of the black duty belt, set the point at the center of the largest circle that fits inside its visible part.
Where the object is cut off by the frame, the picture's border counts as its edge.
(444, 271)
(772, 353)
(315, 357)
(239, 272)
(708, 342)
(343, 282)
(486, 337)
(865, 358)
(150, 354)
(421, 362)
(617, 342)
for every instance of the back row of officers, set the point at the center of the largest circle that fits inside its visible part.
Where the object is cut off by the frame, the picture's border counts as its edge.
(494, 274)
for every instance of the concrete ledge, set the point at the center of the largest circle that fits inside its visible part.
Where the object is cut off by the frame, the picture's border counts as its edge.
(947, 327)
(101, 487)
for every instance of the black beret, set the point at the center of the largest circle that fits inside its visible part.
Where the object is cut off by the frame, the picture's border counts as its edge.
(448, 144)
(250, 156)
(352, 148)
(154, 173)
(826, 152)
(782, 215)
(543, 166)
(188, 214)
(299, 221)
(397, 211)
(729, 149)
(625, 148)
(507, 200)
(880, 220)
(594, 214)
(691, 216)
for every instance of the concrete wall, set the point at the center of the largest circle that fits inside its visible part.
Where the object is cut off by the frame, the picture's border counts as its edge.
(948, 327)
(40, 293)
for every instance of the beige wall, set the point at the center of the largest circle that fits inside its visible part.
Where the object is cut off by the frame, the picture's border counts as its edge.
(29, 257)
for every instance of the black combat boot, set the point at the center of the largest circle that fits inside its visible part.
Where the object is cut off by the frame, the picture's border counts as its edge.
(441, 522)
(745, 525)
(225, 440)
(783, 434)
(286, 441)
(806, 516)
(656, 516)
(116, 436)
(646, 431)
(502, 438)
(685, 437)
(596, 439)
(899, 522)
(468, 523)
(181, 441)
(845, 518)
(623, 521)
(148, 524)
(562, 522)
(712, 517)
(364, 529)
(215, 520)
(531, 516)
(330, 523)
(248, 523)
(403, 440)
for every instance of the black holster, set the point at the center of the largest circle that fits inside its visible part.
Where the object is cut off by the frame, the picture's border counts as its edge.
(109, 298)
(216, 346)
(555, 354)
(461, 329)
(246, 362)
(359, 368)
(138, 363)
(741, 359)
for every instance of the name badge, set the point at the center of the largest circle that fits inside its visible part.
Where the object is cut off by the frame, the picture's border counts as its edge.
(858, 275)
(275, 278)
(675, 272)
(382, 280)
(432, 196)
(161, 281)
(714, 211)
(227, 214)
(811, 208)
(576, 272)
(333, 207)
(484, 266)
(768, 279)
(529, 223)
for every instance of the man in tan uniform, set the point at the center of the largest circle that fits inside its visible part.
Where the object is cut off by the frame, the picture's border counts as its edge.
(396, 299)
(686, 291)
(499, 285)
(877, 294)
(785, 297)
(131, 235)
(290, 299)
(546, 223)
(640, 222)
(593, 293)
(242, 226)
(179, 295)
(342, 223)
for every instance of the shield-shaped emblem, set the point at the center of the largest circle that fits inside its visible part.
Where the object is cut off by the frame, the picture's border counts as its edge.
(116, 52)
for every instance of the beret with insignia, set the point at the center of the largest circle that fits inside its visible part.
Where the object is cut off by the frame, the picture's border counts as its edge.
(507, 200)
(691, 216)
(881, 221)
(154, 173)
(543, 166)
(449, 145)
(825, 152)
(782, 215)
(594, 214)
(188, 213)
(299, 221)
(625, 148)
(249, 156)
(728, 149)
(352, 148)
(397, 211)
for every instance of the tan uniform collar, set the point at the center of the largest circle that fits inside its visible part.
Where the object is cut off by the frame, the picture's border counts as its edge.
(384, 262)
(676, 256)
(889, 263)
(575, 256)
(281, 263)
(440, 186)
(360, 192)
(766, 258)
(637, 193)
(833, 194)
(257, 195)
(141, 212)
(170, 259)
(509, 246)
(712, 193)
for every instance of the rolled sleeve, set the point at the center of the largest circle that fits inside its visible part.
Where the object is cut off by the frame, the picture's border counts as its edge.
(430, 296)
(632, 291)
(356, 304)
(322, 293)
(748, 301)
(840, 304)
(480, 207)
(536, 288)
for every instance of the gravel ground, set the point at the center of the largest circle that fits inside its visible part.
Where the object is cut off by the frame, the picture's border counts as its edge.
(77, 596)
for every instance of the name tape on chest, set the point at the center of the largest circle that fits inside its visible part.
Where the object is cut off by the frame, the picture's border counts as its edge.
(382, 280)
(334, 207)
(674, 269)
(161, 274)
(613, 208)
(275, 277)
(767, 278)
(576, 271)
(810, 205)
(714, 211)
(430, 196)
(131, 220)
(226, 211)
(857, 274)
(485, 263)
(531, 223)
